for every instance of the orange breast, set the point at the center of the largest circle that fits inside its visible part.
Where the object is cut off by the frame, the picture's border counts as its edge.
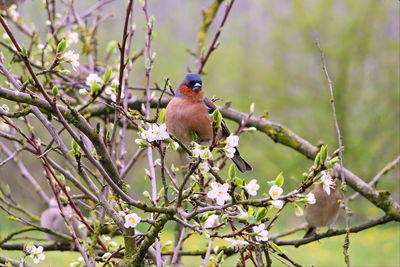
(184, 116)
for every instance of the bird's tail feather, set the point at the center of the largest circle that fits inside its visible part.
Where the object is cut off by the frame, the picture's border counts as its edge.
(241, 164)
(310, 232)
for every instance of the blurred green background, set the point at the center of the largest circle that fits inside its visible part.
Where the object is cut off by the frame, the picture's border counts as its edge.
(268, 56)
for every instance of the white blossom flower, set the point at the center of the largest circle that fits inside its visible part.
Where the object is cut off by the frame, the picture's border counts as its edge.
(71, 57)
(211, 221)
(252, 187)
(155, 132)
(278, 204)
(83, 91)
(72, 38)
(6, 37)
(327, 182)
(106, 255)
(205, 154)
(310, 198)
(36, 253)
(131, 220)
(174, 145)
(232, 140)
(148, 134)
(260, 232)
(108, 90)
(196, 149)
(4, 127)
(201, 151)
(229, 151)
(237, 244)
(275, 191)
(204, 167)
(93, 79)
(160, 132)
(219, 192)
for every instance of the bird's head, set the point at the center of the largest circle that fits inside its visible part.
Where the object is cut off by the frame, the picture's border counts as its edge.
(191, 86)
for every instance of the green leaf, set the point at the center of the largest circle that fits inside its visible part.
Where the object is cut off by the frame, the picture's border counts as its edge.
(217, 117)
(335, 160)
(61, 46)
(95, 87)
(237, 181)
(195, 136)
(276, 247)
(328, 164)
(220, 256)
(279, 180)
(261, 213)
(75, 146)
(96, 224)
(111, 46)
(107, 75)
(252, 220)
(232, 171)
(55, 91)
(250, 211)
(317, 160)
(323, 153)
(63, 199)
(161, 116)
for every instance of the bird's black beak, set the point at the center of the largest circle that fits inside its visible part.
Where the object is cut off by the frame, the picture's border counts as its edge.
(197, 87)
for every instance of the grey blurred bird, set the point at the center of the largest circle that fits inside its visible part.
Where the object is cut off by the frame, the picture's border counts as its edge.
(325, 210)
(51, 218)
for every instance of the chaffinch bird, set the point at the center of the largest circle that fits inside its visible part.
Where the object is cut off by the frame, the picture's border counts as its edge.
(51, 218)
(189, 111)
(325, 210)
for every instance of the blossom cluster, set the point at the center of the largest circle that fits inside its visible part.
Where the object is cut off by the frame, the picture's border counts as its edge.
(36, 253)
(327, 182)
(131, 220)
(231, 142)
(154, 132)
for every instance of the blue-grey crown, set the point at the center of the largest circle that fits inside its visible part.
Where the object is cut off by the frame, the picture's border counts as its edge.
(190, 77)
